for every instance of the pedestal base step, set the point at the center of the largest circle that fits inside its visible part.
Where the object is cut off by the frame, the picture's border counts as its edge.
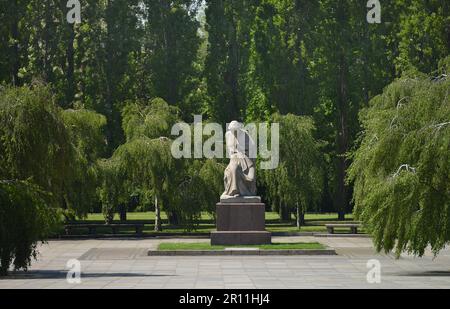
(228, 238)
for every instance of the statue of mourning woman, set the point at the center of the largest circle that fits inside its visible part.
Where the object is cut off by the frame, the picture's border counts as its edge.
(240, 174)
(240, 215)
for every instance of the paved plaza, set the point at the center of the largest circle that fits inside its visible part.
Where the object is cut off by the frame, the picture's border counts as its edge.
(124, 264)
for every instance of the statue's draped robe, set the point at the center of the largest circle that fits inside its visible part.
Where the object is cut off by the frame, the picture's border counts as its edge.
(240, 175)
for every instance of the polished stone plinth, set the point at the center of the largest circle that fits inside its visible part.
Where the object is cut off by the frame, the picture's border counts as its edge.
(240, 222)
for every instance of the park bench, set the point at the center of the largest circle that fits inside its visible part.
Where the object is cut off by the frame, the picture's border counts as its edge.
(114, 227)
(352, 226)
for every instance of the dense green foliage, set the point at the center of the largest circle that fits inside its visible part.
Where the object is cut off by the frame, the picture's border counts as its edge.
(44, 151)
(316, 58)
(56, 149)
(34, 142)
(25, 219)
(296, 185)
(98, 132)
(402, 168)
(227, 60)
(144, 165)
(122, 50)
(86, 130)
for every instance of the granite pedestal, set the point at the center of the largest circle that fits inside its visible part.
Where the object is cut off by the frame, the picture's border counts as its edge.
(240, 221)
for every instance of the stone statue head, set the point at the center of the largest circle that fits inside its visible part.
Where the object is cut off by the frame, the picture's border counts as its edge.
(235, 126)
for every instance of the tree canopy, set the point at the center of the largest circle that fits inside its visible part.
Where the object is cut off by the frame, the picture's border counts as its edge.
(401, 170)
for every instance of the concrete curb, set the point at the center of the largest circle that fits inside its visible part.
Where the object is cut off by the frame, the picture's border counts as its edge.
(240, 252)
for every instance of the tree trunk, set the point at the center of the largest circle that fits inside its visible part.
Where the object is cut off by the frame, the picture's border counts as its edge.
(173, 218)
(70, 76)
(300, 216)
(109, 65)
(158, 227)
(46, 37)
(15, 35)
(4, 263)
(285, 215)
(3, 271)
(233, 73)
(448, 37)
(123, 212)
(342, 140)
(170, 86)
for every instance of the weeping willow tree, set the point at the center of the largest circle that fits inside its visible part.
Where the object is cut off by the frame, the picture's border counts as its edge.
(401, 171)
(148, 165)
(25, 220)
(46, 157)
(199, 185)
(87, 134)
(211, 175)
(144, 164)
(34, 142)
(51, 148)
(296, 184)
(111, 188)
(152, 119)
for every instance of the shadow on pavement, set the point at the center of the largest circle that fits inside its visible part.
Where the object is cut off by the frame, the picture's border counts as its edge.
(426, 274)
(58, 274)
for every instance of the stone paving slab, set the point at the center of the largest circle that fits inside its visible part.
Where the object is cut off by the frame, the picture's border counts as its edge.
(123, 263)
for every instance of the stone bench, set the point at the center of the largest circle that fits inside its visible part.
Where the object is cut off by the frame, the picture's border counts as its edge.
(92, 228)
(352, 226)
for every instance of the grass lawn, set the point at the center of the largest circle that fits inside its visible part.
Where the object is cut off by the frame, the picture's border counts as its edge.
(203, 246)
(270, 217)
(314, 223)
